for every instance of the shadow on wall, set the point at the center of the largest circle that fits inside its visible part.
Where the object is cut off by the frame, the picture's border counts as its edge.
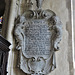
(2, 9)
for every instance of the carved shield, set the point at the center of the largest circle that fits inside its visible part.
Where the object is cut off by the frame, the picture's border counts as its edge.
(37, 38)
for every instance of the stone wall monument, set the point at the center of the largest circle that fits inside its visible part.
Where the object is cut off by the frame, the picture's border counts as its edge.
(37, 34)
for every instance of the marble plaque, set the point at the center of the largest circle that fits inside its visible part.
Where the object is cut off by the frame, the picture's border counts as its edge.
(37, 34)
(37, 39)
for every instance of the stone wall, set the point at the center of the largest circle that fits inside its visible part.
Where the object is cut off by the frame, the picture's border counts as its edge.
(64, 59)
(74, 27)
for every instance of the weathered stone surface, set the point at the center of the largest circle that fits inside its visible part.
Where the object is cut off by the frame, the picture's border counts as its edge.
(37, 35)
(63, 9)
(74, 28)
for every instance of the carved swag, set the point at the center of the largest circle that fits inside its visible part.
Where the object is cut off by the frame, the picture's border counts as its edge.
(37, 34)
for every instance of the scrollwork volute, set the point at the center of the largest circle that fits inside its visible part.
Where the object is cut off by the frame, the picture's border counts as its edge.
(37, 34)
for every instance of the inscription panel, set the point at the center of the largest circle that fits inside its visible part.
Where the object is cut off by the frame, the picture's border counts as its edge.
(37, 39)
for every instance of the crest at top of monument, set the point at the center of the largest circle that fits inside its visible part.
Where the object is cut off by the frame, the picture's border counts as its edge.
(37, 35)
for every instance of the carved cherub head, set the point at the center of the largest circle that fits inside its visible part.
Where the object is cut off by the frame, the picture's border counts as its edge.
(39, 3)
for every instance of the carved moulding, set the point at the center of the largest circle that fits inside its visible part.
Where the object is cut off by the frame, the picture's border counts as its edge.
(37, 34)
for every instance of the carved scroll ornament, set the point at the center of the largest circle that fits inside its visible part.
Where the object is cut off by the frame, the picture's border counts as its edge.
(37, 34)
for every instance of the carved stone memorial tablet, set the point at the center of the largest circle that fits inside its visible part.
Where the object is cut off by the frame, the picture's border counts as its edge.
(37, 34)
